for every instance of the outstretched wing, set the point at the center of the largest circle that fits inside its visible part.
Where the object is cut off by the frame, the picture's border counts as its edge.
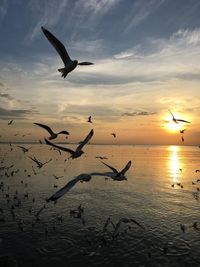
(64, 189)
(87, 139)
(113, 169)
(47, 128)
(172, 115)
(22, 147)
(59, 147)
(183, 121)
(85, 63)
(57, 45)
(126, 168)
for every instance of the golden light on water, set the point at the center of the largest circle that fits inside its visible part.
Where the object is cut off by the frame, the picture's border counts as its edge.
(174, 163)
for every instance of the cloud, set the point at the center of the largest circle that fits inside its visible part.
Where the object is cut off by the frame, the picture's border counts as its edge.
(3, 8)
(49, 14)
(15, 113)
(141, 9)
(138, 113)
(1, 84)
(99, 6)
(7, 96)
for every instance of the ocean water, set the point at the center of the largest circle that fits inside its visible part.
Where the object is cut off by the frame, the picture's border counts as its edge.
(58, 238)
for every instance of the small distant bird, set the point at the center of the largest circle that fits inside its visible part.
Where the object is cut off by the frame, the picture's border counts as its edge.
(178, 120)
(89, 119)
(182, 131)
(10, 122)
(24, 149)
(101, 157)
(182, 139)
(57, 177)
(78, 152)
(114, 135)
(39, 163)
(52, 134)
(69, 64)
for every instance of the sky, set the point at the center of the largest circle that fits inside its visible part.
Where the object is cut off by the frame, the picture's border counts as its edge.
(146, 56)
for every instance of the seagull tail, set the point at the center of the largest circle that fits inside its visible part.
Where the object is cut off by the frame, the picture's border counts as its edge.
(63, 71)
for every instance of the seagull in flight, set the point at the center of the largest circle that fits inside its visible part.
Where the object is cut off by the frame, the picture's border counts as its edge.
(78, 152)
(182, 131)
(24, 149)
(39, 163)
(49, 130)
(114, 135)
(89, 119)
(178, 120)
(86, 177)
(10, 122)
(70, 65)
(101, 157)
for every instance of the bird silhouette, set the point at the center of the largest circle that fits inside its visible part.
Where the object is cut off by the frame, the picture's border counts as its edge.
(78, 152)
(70, 65)
(49, 130)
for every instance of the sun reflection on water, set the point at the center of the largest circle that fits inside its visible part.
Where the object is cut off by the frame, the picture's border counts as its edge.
(174, 163)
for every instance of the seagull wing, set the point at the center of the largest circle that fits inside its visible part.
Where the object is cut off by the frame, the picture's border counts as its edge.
(87, 139)
(59, 147)
(183, 121)
(65, 189)
(57, 45)
(45, 127)
(85, 63)
(126, 168)
(113, 169)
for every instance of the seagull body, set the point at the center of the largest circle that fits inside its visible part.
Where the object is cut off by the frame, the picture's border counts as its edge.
(177, 120)
(89, 119)
(70, 65)
(86, 177)
(49, 130)
(10, 122)
(78, 152)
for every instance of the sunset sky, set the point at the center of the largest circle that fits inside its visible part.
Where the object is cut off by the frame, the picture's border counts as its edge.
(147, 62)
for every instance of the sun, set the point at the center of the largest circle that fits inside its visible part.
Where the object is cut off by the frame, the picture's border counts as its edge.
(172, 126)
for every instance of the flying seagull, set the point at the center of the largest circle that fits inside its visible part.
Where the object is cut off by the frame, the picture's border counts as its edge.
(182, 131)
(70, 65)
(89, 119)
(78, 152)
(39, 163)
(48, 129)
(24, 149)
(114, 135)
(86, 177)
(178, 120)
(10, 122)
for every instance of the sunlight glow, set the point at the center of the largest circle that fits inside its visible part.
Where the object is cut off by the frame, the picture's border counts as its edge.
(172, 126)
(174, 163)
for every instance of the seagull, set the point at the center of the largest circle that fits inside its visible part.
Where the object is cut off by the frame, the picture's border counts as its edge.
(182, 139)
(24, 149)
(70, 65)
(101, 157)
(178, 120)
(182, 131)
(86, 177)
(10, 122)
(114, 135)
(78, 152)
(52, 134)
(39, 163)
(89, 119)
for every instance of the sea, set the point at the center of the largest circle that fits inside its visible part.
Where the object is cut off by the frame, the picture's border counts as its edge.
(150, 219)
